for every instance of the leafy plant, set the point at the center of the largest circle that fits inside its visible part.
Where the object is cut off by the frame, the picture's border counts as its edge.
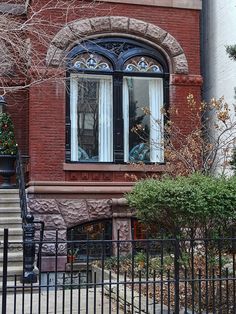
(73, 252)
(206, 147)
(8, 144)
(185, 204)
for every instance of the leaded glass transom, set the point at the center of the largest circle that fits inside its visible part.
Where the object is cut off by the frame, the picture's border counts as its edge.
(143, 64)
(87, 61)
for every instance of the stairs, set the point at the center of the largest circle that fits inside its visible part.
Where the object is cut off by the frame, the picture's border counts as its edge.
(10, 218)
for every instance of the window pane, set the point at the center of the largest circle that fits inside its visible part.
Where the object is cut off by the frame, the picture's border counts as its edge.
(142, 103)
(91, 118)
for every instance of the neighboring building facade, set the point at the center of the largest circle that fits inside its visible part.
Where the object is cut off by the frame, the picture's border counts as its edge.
(122, 56)
(219, 71)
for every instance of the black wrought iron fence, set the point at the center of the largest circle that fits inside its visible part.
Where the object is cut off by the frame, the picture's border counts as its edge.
(194, 275)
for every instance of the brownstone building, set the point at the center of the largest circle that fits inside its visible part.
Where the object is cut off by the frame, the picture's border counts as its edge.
(109, 61)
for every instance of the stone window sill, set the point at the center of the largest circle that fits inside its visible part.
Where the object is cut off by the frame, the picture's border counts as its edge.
(113, 167)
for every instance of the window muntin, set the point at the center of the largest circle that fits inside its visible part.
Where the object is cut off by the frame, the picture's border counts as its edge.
(125, 61)
(91, 114)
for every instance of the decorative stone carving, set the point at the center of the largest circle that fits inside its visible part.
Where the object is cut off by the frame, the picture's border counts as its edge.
(77, 30)
(42, 206)
(155, 32)
(171, 44)
(51, 221)
(119, 23)
(6, 60)
(74, 212)
(100, 25)
(137, 26)
(55, 55)
(63, 38)
(122, 227)
(49, 248)
(99, 209)
(180, 64)
(81, 28)
(186, 80)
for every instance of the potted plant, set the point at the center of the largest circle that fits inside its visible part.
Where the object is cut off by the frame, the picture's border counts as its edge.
(8, 149)
(71, 255)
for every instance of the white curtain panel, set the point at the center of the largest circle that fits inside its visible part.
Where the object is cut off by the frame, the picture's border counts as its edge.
(126, 118)
(74, 117)
(157, 120)
(105, 118)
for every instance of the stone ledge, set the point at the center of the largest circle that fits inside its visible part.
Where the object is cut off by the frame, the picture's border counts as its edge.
(182, 4)
(113, 167)
(14, 9)
(81, 190)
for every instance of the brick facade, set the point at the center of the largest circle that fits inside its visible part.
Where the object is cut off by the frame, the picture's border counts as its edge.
(57, 188)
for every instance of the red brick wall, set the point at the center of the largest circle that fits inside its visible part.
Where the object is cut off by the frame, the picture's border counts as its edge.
(47, 101)
(47, 130)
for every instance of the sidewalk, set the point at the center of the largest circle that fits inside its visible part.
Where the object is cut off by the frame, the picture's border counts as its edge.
(67, 302)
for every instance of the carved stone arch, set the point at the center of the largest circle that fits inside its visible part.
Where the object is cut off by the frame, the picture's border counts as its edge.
(79, 30)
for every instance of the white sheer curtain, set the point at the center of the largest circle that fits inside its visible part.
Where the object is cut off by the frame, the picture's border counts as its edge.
(105, 117)
(157, 120)
(74, 117)
(126, 118)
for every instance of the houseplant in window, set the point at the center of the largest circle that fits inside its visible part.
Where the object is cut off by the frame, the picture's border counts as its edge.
(8, 149)
(72, 254)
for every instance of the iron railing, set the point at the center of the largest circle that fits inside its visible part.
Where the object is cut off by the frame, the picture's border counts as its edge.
(21, 185)
(29, 223)
(192, 275)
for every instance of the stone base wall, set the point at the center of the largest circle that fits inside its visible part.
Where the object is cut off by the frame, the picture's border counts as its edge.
(62, 214)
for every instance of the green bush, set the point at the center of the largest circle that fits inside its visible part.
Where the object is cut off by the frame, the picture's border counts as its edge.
(8, 145)
(176, 205)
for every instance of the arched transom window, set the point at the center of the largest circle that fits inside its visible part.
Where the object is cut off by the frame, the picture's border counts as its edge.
(117, 90)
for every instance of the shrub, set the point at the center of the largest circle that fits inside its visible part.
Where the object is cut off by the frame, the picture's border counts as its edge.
(196, 202)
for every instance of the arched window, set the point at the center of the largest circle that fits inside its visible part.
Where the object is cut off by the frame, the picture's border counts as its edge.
(92, 231)
(117, 90)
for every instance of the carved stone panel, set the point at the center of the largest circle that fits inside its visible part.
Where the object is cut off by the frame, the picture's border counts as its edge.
(98, 209)
(74, 212)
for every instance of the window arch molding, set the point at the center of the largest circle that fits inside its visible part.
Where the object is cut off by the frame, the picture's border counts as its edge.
(107, 103)
(104, 26)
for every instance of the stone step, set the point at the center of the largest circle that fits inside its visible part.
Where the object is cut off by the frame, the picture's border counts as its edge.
(13, 246)
(14, 284)
(13, 233)
(9, 202)
(12, 271)
(12, 257)
(13, 264)
(6, 222)
(9, 193)
(12, 213)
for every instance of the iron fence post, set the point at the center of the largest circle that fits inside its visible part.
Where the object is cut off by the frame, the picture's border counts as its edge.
(176, 275)
(4, 275)
(29, 250)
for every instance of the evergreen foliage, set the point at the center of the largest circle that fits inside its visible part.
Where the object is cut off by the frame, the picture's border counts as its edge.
(8, 144)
